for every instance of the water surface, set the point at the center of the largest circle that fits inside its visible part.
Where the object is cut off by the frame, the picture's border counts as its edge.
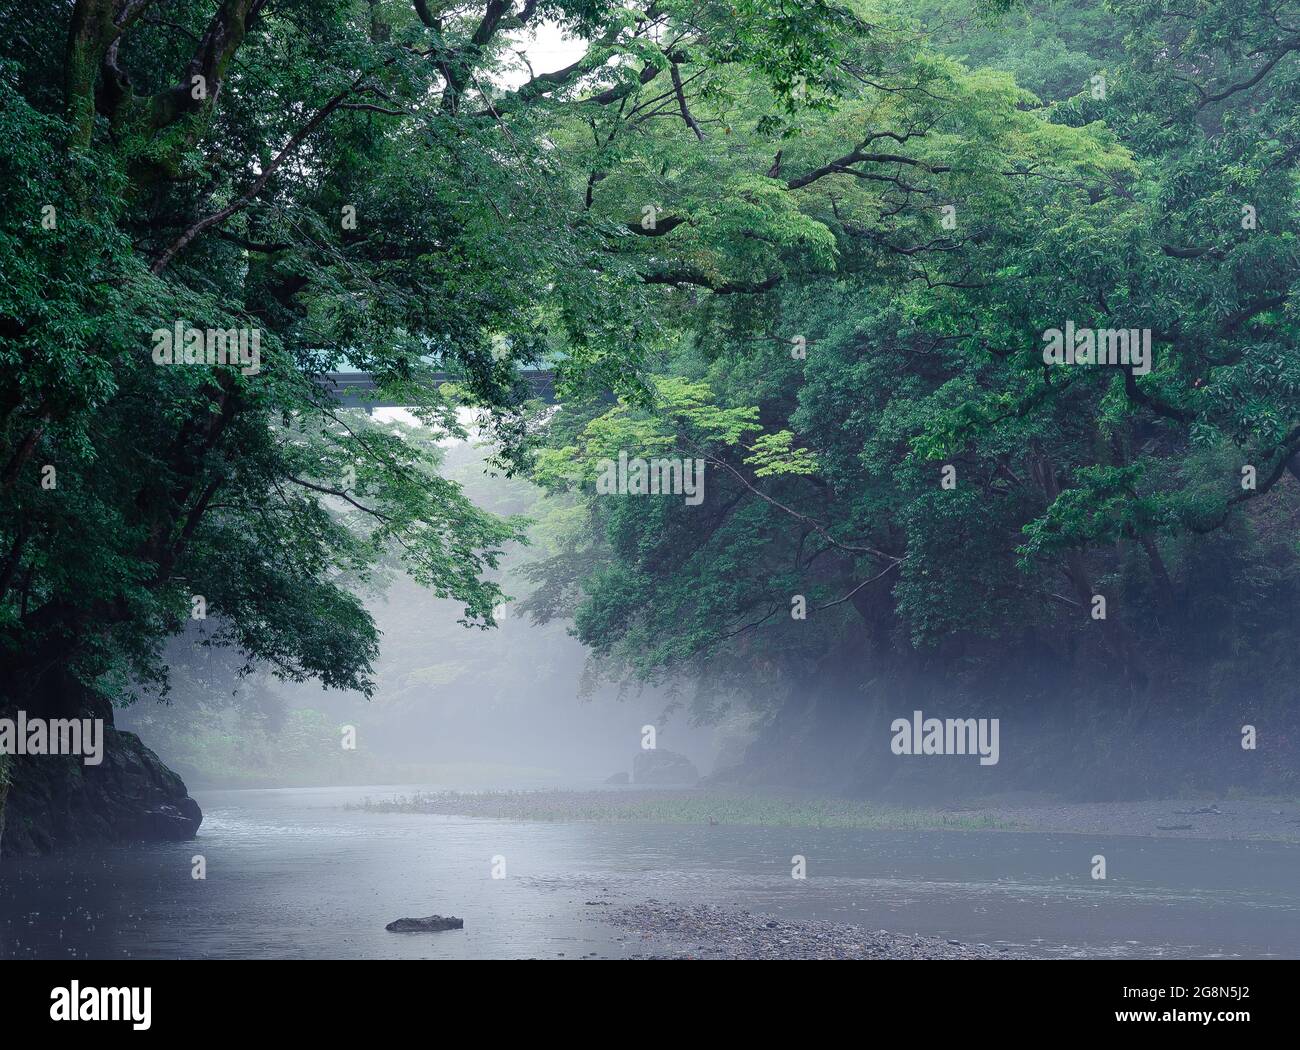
(292, 874)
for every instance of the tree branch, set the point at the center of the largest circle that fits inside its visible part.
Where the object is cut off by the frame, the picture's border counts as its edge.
(681, 102)
(248, 196)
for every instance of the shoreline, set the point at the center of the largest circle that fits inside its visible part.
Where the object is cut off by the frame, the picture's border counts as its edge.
(1232, 820)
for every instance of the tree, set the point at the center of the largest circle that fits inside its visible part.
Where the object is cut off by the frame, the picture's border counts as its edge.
(333, 185)
(1119, 206)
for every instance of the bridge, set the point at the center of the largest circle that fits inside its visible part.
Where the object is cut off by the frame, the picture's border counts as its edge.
(357, 389)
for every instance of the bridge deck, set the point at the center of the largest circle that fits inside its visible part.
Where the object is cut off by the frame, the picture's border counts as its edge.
(357, 389)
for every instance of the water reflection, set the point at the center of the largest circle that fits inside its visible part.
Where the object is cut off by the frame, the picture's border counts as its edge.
(291, 873)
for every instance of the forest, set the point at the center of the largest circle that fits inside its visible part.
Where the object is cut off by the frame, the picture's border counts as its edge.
(818, 249)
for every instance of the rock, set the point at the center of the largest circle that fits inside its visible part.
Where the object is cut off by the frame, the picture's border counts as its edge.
(55, 801)
(658, 766)
(617, 778)
(170, 823)
(4, 793)
(429, 924)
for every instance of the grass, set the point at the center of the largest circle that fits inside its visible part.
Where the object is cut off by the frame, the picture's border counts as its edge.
(681, 807)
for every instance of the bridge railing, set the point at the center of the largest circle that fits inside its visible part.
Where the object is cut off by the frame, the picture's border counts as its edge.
(358, 389)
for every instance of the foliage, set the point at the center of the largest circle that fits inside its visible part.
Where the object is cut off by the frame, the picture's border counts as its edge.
(1114, 197)
(911, 194)
(343, 180)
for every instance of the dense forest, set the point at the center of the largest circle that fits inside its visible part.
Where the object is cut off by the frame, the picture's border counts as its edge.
(907, 505)
(821, 249)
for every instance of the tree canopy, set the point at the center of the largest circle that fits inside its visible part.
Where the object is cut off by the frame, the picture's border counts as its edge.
(348, 184)
(903, 496)
(817, 247)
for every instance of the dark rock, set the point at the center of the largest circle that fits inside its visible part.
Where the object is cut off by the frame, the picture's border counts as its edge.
(429, 924)
(618, 778)
(171, 823)
(658, 766)
(56, 801)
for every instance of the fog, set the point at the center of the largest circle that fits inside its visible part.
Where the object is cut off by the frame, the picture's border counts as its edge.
(518, 704)
(842, 501)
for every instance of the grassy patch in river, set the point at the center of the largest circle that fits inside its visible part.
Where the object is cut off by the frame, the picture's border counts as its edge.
(681, 807)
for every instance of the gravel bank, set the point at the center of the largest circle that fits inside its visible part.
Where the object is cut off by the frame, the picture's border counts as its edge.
(703, 931)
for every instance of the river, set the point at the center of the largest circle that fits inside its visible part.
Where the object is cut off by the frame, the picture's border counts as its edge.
(291, 873)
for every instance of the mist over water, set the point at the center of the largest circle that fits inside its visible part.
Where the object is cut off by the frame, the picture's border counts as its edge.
(522, 704)
(297, 869)
(293, 874)
(651, 479)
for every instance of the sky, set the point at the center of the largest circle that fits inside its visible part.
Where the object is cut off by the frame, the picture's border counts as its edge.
(547, 48)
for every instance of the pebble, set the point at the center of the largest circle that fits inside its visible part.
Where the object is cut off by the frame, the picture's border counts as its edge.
(706, 931)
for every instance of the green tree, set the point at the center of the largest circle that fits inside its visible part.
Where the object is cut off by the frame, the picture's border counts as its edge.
(1158, 192)
(351, 182)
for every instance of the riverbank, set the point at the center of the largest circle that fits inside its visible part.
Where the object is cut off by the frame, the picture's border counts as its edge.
(661, 930)
(307, 874)
(670, 806)
(1251, 819)
(1270, 820)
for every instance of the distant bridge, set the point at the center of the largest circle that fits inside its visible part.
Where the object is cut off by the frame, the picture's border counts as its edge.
(357, 389)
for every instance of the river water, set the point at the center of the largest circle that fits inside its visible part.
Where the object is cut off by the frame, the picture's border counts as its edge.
(293, 874)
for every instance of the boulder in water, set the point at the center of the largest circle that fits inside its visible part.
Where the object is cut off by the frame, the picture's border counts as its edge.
(658, 766)
(57, 801)
(429, 924)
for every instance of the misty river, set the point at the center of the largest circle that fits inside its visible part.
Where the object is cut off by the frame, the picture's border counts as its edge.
(292, 873)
